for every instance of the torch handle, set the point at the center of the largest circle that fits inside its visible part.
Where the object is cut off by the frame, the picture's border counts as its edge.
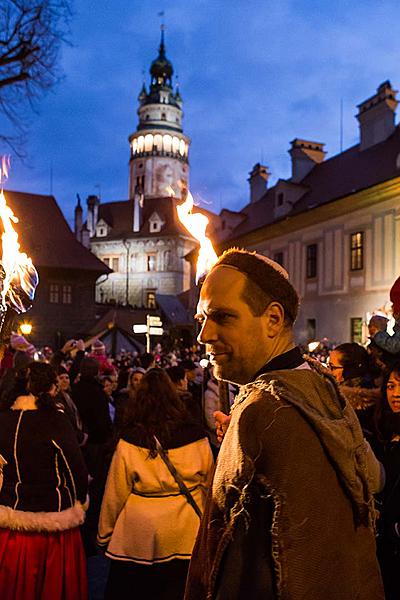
(7, 319)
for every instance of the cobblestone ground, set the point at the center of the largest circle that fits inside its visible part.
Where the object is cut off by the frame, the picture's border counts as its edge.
(97, 576)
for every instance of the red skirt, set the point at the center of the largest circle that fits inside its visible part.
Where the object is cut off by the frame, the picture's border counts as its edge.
(42, 566)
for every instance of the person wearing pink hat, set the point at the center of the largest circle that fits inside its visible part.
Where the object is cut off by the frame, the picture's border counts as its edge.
(377, 326)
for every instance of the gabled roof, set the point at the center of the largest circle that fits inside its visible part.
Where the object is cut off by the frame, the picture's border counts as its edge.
(340, 176)
(45, 236)
(119, 215)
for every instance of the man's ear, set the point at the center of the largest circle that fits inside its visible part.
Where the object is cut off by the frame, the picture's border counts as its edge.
(274, 316)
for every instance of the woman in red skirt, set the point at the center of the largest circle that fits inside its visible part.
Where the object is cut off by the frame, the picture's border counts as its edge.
(43, 485)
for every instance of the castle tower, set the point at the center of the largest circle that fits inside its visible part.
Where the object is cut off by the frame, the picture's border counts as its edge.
(159, 148)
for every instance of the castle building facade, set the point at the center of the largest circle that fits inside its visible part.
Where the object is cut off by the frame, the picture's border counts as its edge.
(334, 224)
(141, 238)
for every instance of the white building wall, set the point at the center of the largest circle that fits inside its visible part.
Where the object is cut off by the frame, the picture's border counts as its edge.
(338, 294)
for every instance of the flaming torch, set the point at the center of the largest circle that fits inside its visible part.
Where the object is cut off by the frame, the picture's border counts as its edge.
(196, 224)
(18, 276)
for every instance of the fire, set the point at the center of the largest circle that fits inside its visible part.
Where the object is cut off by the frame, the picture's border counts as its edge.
(19, 276)
(196, 224)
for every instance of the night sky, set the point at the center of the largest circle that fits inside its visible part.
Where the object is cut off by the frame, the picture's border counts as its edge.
(253, 74)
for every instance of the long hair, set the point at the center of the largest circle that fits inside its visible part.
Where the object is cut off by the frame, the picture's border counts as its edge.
(386, 422)
(155, 409)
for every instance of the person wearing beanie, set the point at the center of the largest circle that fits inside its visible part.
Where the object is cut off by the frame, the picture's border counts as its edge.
(377, 327)
(290, 510)
(99, 353)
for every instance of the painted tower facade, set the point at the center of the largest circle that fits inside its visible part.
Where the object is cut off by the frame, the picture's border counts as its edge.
(158, 165)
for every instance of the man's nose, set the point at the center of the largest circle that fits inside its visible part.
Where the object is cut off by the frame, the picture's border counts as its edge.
(208, 332)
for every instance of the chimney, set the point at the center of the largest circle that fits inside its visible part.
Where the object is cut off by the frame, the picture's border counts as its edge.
(85, 237)
(78, 219)
(258, 181)
(92, 213)
(305, 155)
(137, 209)
(376, 116)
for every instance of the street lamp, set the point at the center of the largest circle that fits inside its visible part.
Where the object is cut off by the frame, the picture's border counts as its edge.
(26, 328)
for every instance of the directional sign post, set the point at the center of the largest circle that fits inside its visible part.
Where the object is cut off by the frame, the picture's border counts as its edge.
(153, 326)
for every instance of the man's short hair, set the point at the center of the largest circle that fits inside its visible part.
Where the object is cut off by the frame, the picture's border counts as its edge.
(267, 282)
(176, 373)
(89, 367)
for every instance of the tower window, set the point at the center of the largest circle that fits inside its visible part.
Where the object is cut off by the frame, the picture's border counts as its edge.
(357, 251)
(280, 199)
(163, 117)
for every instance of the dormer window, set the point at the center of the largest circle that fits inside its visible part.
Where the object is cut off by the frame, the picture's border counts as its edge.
(101, 229)
(155, 223)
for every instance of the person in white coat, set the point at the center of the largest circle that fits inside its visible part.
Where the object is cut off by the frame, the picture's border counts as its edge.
(147, 525)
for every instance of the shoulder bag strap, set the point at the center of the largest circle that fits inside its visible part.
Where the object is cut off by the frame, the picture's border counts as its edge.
(181, 484)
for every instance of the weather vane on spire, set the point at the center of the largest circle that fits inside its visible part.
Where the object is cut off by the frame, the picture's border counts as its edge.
(161, 14)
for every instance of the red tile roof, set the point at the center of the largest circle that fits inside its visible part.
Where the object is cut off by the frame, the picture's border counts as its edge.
(45, 236)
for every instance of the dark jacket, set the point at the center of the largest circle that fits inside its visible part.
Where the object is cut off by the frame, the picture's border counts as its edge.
(92, 404)
(290, 514)
(44, 468)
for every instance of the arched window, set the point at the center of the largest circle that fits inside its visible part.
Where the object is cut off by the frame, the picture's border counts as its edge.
(182, 148)
(134, 146)
(167, 142)
(175, 144)
(148, 142)
(140, 143)
(158, 142)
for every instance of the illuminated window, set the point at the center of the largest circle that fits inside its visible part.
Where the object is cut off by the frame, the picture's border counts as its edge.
(54, 296)
(167, 142)
(158, 142)
(148, 142)
(151, 262)
(115, 264)
(140, 143)
(175, 144)
(151, 300)
(134, 146)
(278, 257)
(182, 148)
(356, 330)
(312, 255)
(67, 294)
(357, 251)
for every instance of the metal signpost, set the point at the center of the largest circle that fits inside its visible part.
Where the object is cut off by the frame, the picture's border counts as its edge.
(153, 326)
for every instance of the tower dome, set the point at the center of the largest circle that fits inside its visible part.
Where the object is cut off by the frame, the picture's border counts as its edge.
(161, 69)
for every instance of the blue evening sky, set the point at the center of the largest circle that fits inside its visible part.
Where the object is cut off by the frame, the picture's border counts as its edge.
(254, 74)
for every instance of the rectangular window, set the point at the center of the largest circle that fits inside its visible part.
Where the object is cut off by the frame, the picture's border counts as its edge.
(311, 330)
(278, 257)
(67, 294)
(54, 296)
(151, 300)
(115, 264)
(356, 330)
(312, 254)
(151, 262)
(357, 251)
(106, 261)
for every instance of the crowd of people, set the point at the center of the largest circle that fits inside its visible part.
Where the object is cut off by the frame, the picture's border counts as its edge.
(117, 455)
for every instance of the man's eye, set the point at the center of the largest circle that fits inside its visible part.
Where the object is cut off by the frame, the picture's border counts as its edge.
(221, 317)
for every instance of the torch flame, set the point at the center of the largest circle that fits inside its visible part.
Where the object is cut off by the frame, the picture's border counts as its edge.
(19, 275)
(196, 224)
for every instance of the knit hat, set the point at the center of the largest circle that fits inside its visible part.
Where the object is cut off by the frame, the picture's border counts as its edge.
(98, 347)
(18, 342)
(395, 296)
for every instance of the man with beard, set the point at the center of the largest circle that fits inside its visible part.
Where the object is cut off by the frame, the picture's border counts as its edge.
(290, 514)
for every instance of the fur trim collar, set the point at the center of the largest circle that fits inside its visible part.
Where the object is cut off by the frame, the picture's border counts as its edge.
(25, 403)
(21, 520)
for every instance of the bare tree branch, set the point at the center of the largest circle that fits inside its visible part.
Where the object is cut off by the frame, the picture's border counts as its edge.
(31, 35)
